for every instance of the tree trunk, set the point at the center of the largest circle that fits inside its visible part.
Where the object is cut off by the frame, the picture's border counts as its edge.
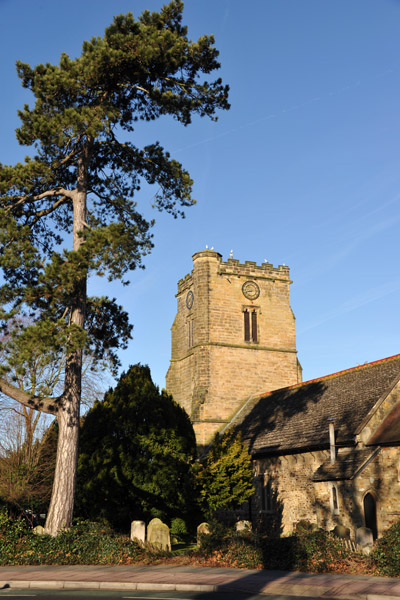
(62, 497)
(63, 493)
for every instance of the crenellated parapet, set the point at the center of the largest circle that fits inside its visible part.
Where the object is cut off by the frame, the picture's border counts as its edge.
(249, 269)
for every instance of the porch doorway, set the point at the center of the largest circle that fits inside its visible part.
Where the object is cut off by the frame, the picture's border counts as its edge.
(370, 514)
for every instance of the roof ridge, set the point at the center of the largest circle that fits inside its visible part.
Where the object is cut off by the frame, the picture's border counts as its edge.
(323, 377)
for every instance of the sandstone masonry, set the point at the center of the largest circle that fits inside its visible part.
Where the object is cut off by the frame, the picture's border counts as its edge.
(233, 336)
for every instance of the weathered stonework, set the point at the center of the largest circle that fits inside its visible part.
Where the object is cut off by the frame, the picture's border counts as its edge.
(302, 473)
(295, 496)
(213, 366)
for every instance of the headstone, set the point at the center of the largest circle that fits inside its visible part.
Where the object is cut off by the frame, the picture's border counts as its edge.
(138, 531)
(364, 537)
(341, 532)
(202, 529)
(38, 530)
(243, 526)
(158, 535)
(150, 526)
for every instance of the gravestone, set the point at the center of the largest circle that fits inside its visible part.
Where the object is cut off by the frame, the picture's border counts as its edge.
(202, 529)
(150, 526)
(138, 531)
(364, 537)
(158, 535)
(341, 532)
(244, 526)
(38, 530)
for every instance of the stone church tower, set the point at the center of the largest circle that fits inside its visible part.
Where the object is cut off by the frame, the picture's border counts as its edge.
(233, 336)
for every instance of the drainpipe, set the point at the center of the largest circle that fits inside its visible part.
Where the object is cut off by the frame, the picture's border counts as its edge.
(332, 440)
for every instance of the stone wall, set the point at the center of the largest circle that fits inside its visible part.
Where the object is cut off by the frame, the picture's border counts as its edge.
(292, 491)
(294, 496)
(213, 367)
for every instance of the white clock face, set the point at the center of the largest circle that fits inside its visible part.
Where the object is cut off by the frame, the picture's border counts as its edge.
(250, 290)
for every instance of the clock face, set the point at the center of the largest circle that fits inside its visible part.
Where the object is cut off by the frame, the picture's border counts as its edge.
(250, 290)
(189, 299)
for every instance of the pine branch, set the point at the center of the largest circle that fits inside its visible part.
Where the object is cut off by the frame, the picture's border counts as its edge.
(47, 405)
(47, 211)
(21, 200)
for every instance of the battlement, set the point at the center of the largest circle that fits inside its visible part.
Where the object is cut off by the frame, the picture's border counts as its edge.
(250, 269)
(233, 267)
(185, 283)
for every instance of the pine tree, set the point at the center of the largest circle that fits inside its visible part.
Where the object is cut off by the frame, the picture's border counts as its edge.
(80, 184)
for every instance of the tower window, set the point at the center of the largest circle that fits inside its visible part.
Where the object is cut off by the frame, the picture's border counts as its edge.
(250, 325)
(254, 326)
(190, 333)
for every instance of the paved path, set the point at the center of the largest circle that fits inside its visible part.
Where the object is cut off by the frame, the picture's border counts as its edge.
(201, 579)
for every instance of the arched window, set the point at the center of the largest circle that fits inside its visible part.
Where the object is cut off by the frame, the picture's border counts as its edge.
(266, 494)
(334, 499)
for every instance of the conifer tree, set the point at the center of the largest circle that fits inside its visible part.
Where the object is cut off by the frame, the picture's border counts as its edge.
(225, 479)
(79, 187)
(136, 455)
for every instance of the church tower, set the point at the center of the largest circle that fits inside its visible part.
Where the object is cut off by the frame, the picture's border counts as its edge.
(233, 336)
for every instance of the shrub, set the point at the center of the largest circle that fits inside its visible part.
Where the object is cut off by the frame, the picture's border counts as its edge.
(11, 534)
(179, 528)
(84, 543)
(243, 551)
(225, 479)
(225, 546)
(305, 550)
(319, 551)
(386, 553)
(210, 542)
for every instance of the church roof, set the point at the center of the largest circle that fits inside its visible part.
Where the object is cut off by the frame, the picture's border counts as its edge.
(297, 417)
(348, 465)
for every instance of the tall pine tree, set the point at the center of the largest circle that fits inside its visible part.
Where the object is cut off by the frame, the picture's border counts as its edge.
(80, 186)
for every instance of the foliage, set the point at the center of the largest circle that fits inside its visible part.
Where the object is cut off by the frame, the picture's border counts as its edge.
(224, 546)
(79, 186)
(311, 551)
(179, 529)
(225, 479)
(85, 543)
(386, 553)
(39, 371)
(94, 543)
(11, 532)
(26, 471)
(136, 453)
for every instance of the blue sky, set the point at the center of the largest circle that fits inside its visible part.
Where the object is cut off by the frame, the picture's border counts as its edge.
(303, 170)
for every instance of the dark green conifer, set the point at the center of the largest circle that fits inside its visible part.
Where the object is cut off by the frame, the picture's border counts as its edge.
(136, 454)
